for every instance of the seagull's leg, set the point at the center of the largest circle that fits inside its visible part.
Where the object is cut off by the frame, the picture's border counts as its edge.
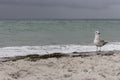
(100, 49)
(96, 48)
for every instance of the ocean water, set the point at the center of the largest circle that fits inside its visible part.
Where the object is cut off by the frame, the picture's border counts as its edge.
(21, 37)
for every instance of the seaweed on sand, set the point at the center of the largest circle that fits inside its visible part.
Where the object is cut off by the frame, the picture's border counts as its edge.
(34, 57)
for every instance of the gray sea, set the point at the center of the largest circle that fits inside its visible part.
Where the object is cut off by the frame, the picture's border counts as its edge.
(52, 32)
(48, 36)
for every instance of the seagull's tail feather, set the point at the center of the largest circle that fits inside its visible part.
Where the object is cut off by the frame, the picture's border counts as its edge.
(105, 43)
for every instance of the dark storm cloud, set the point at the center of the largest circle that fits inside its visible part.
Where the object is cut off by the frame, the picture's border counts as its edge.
(59, 8)
(65, 3)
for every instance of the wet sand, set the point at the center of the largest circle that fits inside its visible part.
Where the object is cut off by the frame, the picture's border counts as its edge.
(92, 66)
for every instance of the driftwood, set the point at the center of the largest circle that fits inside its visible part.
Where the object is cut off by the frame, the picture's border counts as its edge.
(34, 57)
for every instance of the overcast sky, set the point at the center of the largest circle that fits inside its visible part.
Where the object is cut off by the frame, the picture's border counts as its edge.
(59, 9)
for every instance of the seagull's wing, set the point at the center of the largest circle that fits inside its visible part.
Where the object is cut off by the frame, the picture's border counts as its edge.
(103, 42)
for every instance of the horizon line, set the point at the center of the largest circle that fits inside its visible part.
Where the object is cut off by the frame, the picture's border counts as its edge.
(61, 19)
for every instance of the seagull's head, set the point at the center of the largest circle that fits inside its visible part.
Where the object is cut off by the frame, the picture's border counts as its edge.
(97, 32)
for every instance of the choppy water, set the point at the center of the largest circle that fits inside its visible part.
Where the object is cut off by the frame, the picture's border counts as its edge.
(55, 32)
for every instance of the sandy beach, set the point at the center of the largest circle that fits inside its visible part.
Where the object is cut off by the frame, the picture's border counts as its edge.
(94, 67)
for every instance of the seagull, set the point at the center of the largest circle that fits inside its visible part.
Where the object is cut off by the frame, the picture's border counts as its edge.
(98, 41)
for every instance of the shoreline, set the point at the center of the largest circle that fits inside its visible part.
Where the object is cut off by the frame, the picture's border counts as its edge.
(49, 49)
(35, 57)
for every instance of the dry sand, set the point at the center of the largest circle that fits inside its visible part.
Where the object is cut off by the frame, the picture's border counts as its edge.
(65, 68)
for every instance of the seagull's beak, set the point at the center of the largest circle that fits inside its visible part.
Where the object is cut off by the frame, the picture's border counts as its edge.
(98, 33)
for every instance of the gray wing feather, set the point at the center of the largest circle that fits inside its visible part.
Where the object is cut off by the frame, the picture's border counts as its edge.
(103, 42)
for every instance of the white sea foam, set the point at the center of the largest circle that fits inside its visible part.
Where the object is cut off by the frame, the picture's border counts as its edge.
(24, 50)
